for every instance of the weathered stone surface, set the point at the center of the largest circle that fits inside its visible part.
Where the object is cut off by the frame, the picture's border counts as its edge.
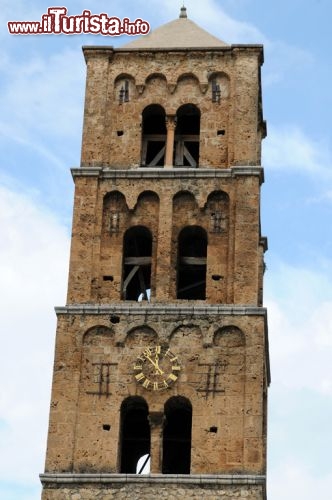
(217, 374)
(230, 130)
(165, 206)
(147, 487)
(149, 493)
(219, 340)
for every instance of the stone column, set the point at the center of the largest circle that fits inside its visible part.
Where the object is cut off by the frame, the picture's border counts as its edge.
(170, 126)
(156, 420)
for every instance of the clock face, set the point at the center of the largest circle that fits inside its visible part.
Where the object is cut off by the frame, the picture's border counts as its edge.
(156, 368)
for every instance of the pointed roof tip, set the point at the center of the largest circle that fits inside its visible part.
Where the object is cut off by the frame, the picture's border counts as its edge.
(183, 13)
(176, 34)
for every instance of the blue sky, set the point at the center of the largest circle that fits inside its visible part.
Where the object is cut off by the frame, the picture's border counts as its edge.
(42, 81)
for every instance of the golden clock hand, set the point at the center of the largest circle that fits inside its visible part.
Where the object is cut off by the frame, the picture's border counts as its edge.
(154, 364)
(157, 367)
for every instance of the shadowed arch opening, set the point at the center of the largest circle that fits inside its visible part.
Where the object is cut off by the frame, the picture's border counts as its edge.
(137, 252)
(153, 136)
(191, 266)
(177, 436)
(187, 132)
(135, 433)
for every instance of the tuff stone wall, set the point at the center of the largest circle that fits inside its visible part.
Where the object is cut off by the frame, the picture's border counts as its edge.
(139, 492)
(231, 130)
(223, 375)
(150, 488)
(220, 341)
(165, 204)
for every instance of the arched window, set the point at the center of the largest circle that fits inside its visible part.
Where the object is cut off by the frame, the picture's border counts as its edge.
(187, 132)
(135, 433)
(137, 251)
(153, 136)
(177, 436)
(191, 266)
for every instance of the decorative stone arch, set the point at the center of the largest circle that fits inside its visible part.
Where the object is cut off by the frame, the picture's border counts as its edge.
(141, 336)
(184, 201)
(153, 136)
(191, 263)
(219, 83)
(230, 341)
(135, 440)
(146, 193)
(114, 221)
(158, 77)
(199, 74)
(187, 78)
(186, 339)
(217, 210)
(177, 436)
(229, 337)
(147, 201)
(96, 366)
(123, 76)
(98, 334)
(137, 260)
(189, 84)
(115, 212)
(124, 87)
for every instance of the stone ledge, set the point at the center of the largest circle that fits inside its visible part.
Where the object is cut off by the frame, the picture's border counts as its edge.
(179, 479)
(160, 309)
(104, 172)
(109, 50)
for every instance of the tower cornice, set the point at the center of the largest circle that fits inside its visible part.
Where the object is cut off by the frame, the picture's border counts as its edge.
(153, 309)
(107, 50)
(167, 173)
(162, 479)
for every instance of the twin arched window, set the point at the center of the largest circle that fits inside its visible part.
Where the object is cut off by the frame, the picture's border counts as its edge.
(171, 140)
(191, 264)
(135, 440)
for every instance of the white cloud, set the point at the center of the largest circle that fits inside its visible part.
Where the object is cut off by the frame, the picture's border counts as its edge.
(45, 95)
(293, 480)
(299, 303)
(211, 15)
(33, 268)
(20, 11)
(288, 148)
(283, 61)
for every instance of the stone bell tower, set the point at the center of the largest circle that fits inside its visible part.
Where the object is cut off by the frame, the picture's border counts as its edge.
(161, 351)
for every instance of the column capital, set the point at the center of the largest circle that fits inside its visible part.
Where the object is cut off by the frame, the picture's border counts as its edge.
(170, 122)
(156, 419)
